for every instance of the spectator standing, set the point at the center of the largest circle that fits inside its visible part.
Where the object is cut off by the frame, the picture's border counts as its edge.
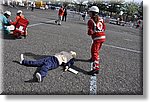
(32, 7)
(65, 14)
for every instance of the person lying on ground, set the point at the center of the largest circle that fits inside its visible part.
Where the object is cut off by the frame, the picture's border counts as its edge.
(62, 58)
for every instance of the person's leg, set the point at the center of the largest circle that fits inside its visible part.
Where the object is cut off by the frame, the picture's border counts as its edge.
(95, 57)
(95, 51)
(95, 48)
(37, 63)
(60, 18)
(6, 31)
(49, 64)
(65, 18)
(26, 32)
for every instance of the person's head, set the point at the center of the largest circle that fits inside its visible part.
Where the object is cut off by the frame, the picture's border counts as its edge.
(93, 12)
(19, 12)
(73, 54)
(7, 14)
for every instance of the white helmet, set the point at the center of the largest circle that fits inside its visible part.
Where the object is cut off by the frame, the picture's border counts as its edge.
(94, 9)
(73, 54)
(19, 11)
(8, 13)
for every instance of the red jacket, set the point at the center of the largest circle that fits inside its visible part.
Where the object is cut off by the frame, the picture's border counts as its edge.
(17, 18)
(96, 31)
(61, 12)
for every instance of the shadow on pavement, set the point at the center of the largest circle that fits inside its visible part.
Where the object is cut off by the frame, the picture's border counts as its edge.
(35, 56)
(79, 69)
(34, 79)
(8, 37)
(82, 60)
(16, 62)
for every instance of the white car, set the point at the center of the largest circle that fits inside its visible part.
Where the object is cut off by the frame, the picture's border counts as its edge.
(113, 21)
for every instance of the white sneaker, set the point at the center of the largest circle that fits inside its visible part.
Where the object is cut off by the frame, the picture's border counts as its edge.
(38, 76)
(22, 58)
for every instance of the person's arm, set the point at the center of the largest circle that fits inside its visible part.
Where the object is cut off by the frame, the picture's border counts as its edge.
(6, 22)
(90, 27)
(104, 26)
(69, 63)
(16, 20)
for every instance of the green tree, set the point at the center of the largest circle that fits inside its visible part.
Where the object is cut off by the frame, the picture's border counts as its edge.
(132, 8)
(141, 9)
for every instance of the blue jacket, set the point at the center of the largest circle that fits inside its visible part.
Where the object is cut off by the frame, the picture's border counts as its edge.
(69, 63)
(4, 22)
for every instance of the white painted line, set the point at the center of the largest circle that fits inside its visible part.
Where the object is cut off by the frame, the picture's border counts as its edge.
(34, 24)
(121, 48)
(40, 23)
(128, 39)
(93, 86)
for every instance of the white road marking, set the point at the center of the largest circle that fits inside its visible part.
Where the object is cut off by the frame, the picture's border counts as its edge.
(34, 24)
(131, 50)
(93, 86)
(52, 21)
(128, 39)
(40, 23)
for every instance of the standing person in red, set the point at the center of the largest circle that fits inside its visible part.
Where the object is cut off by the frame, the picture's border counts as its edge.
(60, 15)
(96, 28)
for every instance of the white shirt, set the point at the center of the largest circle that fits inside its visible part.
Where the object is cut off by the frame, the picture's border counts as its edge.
(63, 57)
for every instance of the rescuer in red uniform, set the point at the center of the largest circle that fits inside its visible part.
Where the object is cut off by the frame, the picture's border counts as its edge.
(96, 28)
(60, 15)
(19, 15)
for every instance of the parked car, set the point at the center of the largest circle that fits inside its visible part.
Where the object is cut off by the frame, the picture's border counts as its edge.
(113, 21)
(116, 22)
(53, 7)
(122, 23)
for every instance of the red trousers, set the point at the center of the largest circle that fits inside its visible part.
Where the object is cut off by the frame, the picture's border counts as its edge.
(95, 49)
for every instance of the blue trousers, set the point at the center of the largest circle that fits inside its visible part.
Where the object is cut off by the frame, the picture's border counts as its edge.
(46, 64)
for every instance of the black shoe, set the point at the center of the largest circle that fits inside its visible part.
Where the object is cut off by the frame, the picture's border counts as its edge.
(90, 60)
(93, 72)
(25, 36)
(19, 37)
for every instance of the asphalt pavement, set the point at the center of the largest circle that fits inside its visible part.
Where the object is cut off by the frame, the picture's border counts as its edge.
(121, 57)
